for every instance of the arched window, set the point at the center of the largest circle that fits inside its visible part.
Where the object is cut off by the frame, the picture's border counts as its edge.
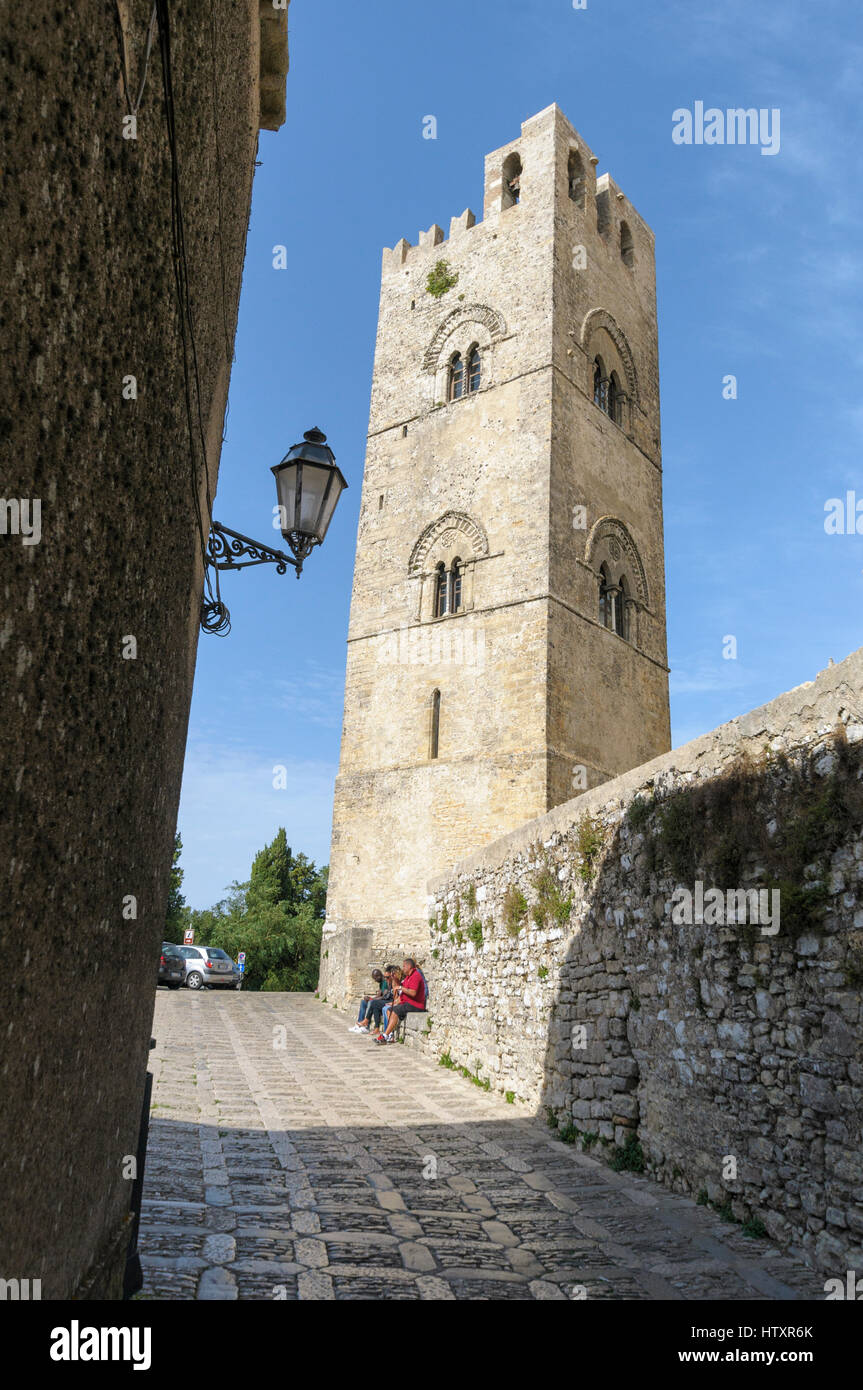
(575, 176)
(627, 245)
(474, 369)
(621, 611)
(434, 725)
(615, 399)
(603, 212)
(455, 587)
(600, 385)
(440, 593)
(456, 377)
(511, 180)
(605, 606)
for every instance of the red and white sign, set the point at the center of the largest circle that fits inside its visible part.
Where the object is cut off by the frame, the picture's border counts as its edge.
(189, 936)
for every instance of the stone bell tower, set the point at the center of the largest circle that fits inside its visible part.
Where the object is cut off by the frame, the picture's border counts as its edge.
(506, 646)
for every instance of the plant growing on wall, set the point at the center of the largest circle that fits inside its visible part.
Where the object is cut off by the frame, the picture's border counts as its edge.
(639, 812)
(514, 909)
(711, 829)
(441, 279)
(474, 933)
(589, 839)
(550, 903)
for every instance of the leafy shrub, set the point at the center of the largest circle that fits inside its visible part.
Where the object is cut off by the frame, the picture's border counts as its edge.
(441, 279)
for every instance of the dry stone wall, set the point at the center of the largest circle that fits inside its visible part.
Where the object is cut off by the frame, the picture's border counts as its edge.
(722, 1055)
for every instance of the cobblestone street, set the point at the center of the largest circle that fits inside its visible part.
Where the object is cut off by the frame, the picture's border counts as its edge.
(333, 1168)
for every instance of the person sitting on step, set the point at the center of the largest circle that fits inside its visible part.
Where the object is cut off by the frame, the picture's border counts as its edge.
(369, 999)
(411, 998)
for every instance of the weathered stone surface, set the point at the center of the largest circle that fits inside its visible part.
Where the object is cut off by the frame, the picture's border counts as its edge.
(93, 741)
(551, 1223)
(713, 1041)
(494, 480)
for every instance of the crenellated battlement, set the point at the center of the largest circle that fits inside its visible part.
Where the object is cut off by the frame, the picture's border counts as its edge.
(548, 164)
(394, 258)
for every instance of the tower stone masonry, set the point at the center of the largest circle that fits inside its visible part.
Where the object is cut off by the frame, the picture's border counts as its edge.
(506, 646)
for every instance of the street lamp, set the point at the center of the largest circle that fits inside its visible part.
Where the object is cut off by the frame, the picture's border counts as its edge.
(309, 484)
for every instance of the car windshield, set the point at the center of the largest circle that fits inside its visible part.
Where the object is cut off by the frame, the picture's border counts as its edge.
(168, 950)
(215, 953)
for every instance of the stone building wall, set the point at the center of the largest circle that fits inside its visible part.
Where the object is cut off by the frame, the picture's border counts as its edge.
(494, 478)
(703, 1042)
(93, 742)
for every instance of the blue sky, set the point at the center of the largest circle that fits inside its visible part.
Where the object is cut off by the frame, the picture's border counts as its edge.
(759, 276)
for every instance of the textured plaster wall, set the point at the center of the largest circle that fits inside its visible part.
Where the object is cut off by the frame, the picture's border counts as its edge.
(92, 743)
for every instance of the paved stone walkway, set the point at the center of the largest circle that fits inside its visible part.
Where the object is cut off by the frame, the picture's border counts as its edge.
(292, 1159)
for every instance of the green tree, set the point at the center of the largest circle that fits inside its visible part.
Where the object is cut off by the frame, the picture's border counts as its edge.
(276, 918)
(176, 914)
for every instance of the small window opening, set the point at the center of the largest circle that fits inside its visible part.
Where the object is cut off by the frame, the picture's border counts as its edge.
(575, 177)
(456, 377)
(605, 615)
(511, 181)
(434, 731)
(621, 625)
(615, 399)
(600, 385)
(627, 245)
(441, 591)
(474, 369)
(455, 587)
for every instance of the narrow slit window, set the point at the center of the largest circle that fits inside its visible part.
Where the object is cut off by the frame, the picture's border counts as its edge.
(434, 729)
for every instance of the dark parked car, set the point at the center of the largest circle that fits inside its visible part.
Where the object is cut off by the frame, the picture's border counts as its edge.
(172, 967)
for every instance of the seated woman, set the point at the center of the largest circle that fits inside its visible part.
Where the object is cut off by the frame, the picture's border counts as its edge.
(410, 997)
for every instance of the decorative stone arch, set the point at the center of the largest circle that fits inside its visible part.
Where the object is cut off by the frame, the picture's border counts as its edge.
(611, 545)
(492, 321)
(597, 322)
(455, 536)
(610, 540)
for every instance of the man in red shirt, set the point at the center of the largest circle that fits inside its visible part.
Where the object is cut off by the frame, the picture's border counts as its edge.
(411, 998)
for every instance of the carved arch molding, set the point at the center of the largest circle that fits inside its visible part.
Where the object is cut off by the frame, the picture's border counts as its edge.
(610, 535)
(601, 318)
(474, 313)
(437, 532)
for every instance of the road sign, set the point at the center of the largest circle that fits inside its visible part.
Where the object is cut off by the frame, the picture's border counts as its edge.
(241, 958)
(189, 936)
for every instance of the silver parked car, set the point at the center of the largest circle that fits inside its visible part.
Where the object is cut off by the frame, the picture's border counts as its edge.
(208, 965)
